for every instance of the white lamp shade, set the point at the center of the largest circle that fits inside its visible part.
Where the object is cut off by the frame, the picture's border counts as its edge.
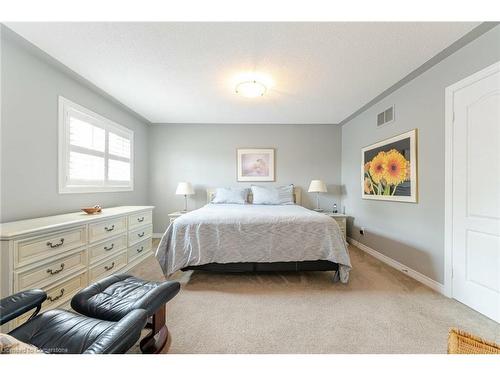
(317, 186)
(184, 188)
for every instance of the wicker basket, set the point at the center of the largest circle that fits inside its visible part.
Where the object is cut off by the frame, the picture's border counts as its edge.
(460, 342)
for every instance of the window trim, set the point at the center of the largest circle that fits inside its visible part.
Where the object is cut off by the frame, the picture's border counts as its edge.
(67, 106)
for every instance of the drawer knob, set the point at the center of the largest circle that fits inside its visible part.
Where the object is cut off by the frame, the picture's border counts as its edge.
(52, 299)
(140, 250)
(56, 271)
(109, 229)
(54, 245)
(107, 268)
(140, 219)
(140, 234)
(109, 248)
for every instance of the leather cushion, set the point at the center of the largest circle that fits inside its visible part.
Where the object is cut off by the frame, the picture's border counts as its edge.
(59, 331)
(113, 297)
(64, 332)
(17, 304)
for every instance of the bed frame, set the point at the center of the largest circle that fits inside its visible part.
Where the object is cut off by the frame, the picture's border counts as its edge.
(308, 265)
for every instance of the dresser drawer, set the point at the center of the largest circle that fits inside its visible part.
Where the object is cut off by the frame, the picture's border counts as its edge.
(108, 267)
(105, 229)
(139, 235)
(140, 219)
(50, 272)
(139, 249)
(106, 248)
(59, 294)
(30, 250)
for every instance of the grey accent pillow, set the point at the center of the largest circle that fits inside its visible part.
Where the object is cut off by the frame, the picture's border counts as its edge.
(230, 195)
(272, 195)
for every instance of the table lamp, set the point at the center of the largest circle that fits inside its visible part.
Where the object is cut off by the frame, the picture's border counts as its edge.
(184, 188)
(317, 186)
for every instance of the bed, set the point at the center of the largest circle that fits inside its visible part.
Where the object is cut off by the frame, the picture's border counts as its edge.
(253, 238)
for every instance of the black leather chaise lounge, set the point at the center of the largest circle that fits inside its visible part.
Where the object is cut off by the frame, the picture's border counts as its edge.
(60, 331)
(114, 297)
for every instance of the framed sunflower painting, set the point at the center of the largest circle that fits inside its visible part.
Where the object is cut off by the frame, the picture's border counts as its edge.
(389, 169)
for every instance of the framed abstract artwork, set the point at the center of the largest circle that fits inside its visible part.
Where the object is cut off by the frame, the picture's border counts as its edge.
(389, 169)
(255, 164)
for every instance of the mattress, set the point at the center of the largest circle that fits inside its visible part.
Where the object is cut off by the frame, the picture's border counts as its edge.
(232, 233)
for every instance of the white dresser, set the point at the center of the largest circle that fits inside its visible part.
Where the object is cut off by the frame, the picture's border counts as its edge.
(64, 253)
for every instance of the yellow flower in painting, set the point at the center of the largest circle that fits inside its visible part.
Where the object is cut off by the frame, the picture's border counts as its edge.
(396, 167)
(377, 167)
(368, 186)
(367, 167)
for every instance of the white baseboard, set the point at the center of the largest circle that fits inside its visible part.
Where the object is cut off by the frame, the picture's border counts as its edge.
(434, 285)
(157, 235)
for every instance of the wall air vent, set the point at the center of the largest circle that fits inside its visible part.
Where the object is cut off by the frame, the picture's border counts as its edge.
(386, 116)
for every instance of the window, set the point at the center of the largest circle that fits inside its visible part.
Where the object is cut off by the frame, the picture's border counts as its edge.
(95, 154)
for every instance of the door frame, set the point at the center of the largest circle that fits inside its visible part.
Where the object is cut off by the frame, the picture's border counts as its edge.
(448, 183)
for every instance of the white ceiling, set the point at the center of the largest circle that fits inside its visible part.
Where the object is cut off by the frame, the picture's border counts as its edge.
(184, 72)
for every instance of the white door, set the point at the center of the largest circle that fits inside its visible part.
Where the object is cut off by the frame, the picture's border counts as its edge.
(476, 192)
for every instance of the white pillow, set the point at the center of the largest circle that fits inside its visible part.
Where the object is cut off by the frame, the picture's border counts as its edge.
(230, 195)
(272, 195)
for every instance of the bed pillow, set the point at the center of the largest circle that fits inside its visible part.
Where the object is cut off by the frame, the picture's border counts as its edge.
(272, 195)
(230, 195)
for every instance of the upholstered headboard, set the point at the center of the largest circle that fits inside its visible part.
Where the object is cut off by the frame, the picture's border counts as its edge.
(297, 195)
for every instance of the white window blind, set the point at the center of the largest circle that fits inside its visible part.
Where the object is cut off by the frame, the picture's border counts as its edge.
(95, 154)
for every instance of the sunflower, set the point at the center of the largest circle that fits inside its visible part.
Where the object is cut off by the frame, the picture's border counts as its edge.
(368, 186)
(396, 167)
(377, 167)
(367, 167)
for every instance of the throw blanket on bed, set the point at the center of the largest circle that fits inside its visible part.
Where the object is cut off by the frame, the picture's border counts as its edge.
(227, 233)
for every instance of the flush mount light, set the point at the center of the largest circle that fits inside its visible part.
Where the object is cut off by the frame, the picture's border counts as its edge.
(251, 89)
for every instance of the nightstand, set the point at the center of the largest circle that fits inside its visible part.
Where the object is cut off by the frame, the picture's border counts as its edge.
(175, 215)
(341, 220)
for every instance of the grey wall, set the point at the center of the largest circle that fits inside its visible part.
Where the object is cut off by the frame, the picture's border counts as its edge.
(205, 155)
(30, 87)
(412, 234)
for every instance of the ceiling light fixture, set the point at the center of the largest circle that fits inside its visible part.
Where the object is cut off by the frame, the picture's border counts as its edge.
(251, 89)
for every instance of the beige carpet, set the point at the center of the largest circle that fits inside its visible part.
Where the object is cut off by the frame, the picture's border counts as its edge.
(380, 311)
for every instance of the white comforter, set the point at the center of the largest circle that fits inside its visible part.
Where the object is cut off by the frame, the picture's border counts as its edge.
(227, 233)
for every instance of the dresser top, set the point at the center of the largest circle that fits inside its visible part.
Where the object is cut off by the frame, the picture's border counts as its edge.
(22, 227)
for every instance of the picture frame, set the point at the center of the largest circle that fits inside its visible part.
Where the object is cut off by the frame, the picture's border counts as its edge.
(389, 169)
(255, 164)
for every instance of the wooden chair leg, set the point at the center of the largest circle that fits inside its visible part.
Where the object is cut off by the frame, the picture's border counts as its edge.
(155, 341)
